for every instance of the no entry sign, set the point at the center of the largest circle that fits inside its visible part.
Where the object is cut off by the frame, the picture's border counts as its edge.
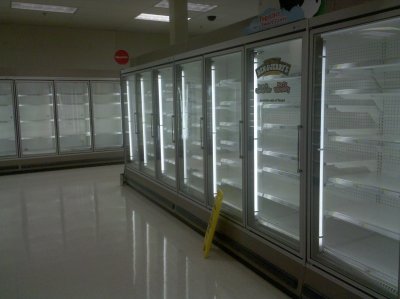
(121, 57)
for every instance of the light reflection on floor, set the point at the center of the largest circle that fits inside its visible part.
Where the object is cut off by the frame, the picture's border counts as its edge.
(78, 234)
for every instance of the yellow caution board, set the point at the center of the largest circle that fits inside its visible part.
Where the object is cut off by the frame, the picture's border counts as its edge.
(212, 223)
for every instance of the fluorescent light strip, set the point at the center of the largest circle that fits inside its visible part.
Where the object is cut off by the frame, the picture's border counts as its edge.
(184, 127)
(153, 17)
(191, 6)
(322, 144)
(43, 7)
(128, 97)
(143, 122)
(160, 99)
(255, 151)
(214, 130)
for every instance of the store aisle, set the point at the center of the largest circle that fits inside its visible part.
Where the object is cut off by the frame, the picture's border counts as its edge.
(79, 234)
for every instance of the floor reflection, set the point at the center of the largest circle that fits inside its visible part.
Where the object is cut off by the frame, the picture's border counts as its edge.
(79, 234)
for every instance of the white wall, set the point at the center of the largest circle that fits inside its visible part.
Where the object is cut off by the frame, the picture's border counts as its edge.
(57, 51)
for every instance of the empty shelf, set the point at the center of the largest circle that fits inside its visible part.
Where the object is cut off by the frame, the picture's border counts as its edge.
(370, 181)
(373, 216)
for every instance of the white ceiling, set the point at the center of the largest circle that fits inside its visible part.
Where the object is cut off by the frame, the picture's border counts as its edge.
(119, 14)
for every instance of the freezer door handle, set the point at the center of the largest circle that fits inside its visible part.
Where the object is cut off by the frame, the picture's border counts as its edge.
(201, 133)
(152, 124)
(241, 139)
(173, 128)
(299, 170)
(135, 122)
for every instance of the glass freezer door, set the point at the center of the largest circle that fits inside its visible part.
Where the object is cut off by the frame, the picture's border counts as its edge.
(356, 153)
(144, 89)
(274, 92)
(131, 122)
(190, 96)
(36, 117)
(224, 80)
(73, 113)
(107, 120)
(7, 122)
(166, 119)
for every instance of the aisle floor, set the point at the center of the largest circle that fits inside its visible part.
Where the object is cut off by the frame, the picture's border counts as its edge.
(78, 234)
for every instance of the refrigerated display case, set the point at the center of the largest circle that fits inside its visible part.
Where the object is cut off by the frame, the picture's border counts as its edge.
(131, 122)
(356, 157)
(225, 127)
(36, 117)
(191, 124)
(147, 117)
(8, 142)
(107, 114)
(166, 124)
(275, 95)
(73, 111)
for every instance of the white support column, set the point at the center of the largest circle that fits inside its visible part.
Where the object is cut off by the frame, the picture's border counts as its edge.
(178, 16)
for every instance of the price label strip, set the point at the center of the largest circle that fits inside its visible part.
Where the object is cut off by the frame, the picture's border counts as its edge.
(212, 223)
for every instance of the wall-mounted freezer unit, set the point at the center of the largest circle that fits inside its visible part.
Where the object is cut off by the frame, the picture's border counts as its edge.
(300, 128)
(356, 153)
(73, 113)
(274, 82)
(8, 141)
(107, 114)
(224, 75)
(36, 118)
(191, 128)
(53, 123)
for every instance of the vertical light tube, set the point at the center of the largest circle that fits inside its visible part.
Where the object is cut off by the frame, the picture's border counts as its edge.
(322, 144)
(161, 111)
(128, 98)
(184, 127)
(255, 150)
(143, 121)
(214, 130)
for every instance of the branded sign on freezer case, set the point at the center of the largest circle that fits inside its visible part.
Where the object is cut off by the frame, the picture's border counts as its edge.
(289, 11)
(273, 66)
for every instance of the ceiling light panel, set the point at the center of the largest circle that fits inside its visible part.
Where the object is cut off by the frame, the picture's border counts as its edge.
(151, 17)
(191, 6)
(43, 7)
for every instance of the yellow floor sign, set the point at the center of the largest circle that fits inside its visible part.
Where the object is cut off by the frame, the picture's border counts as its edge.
(212, 223)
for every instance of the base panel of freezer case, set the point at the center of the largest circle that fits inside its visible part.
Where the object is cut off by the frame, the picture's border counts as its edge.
(286, 271)
(9, 166)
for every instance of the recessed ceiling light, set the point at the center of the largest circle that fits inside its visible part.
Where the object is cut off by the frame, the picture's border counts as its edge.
(152, 17)
(191, 6)
(43, 7)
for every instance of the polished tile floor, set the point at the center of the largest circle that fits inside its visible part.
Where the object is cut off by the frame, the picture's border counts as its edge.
(78, 234)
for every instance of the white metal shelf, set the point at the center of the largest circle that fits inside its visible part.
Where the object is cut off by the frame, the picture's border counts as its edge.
(281, 172)
(370, 181)
(366, 94)
(376, 65)
(277, 151)
(279, 126)
(280, 106)
(285, 224)
(368, 139)
(373, 216)
(197, 174)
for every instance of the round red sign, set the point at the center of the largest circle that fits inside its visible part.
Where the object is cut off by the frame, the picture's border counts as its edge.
(121, 57)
